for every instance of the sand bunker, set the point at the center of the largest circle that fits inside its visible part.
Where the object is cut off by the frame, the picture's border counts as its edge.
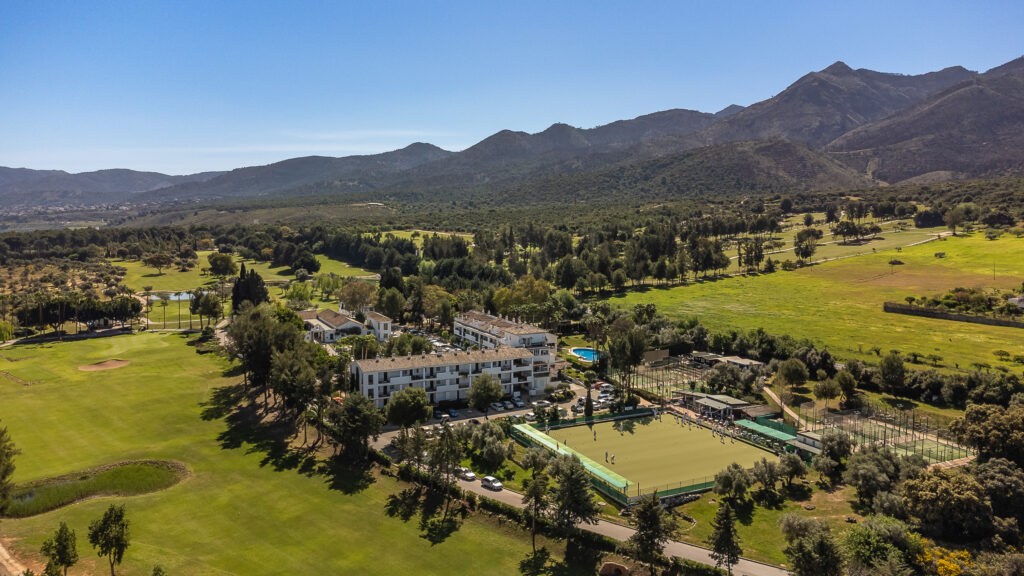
(105, 365)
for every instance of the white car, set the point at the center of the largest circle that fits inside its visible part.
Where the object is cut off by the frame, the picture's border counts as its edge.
(519, 403)
(541, 404)
(465, 473)
(497, 406)
(491, 482)
(508, 404)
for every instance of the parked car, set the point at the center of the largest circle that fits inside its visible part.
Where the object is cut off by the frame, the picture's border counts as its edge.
(576, 408)
(508, 404)
(491, 482)
(519, 403)
(606, 387)
(541, 404)
(438, 414)
(465, 473)
(530, 416)
(453, 412)
(497, 406)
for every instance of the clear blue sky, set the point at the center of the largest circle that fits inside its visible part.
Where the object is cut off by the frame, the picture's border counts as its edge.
(179, 87)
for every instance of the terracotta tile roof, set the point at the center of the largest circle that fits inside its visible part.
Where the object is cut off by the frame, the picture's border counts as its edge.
(376, 316)
(334, 318)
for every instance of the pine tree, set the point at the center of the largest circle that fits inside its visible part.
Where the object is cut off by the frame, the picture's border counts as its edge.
(724, 541)
(652, 530)
(61, 550)
(7, 454)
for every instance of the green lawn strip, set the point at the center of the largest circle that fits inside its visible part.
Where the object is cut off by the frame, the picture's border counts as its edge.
(122, 479)
(758, 524)
(246, 507)
(839, 304)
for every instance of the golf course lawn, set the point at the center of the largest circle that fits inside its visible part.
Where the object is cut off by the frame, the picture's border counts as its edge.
(654, 453)
(248, 504)
(839, 304)
(173, 280)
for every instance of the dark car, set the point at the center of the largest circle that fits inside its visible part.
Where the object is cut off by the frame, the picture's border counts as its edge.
(453, 412)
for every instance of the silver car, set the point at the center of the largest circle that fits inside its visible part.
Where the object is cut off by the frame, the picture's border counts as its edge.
(491, 482)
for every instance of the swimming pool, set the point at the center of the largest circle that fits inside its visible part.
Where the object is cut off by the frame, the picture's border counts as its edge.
(586, 354)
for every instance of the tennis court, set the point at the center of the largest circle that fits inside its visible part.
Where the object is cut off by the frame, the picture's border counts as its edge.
(656, 454)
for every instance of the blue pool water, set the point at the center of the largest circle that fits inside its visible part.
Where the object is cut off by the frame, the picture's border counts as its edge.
(588, 354)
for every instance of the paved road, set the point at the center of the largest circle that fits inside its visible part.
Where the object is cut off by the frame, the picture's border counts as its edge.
(622, 533)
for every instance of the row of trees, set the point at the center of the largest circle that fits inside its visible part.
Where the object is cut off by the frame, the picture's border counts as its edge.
(54, 309)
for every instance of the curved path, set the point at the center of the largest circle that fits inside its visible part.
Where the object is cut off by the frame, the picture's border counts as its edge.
(8, 565)
(622, 533)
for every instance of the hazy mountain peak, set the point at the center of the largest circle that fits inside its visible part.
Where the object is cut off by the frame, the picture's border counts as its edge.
(1015, 66)
(728, 111)
(423, 147)
(839, 68)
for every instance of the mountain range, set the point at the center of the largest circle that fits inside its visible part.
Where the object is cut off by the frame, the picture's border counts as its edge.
(831, 129)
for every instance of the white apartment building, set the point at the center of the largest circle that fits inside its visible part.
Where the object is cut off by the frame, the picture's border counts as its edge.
(490, 332)
(444, 376)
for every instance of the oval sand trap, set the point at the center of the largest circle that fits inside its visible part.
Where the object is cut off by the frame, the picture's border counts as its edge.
(105, 365)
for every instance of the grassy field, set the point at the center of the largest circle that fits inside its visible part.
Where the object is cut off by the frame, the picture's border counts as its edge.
(420, 234)
(832, 246)
(757, 527)
(654, 453)
(250, 505)
(173, 280)
(839, 304)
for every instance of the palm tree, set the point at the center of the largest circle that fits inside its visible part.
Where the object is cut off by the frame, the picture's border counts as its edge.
(164, 297)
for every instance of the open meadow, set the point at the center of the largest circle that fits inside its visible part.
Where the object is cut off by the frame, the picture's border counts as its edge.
(757, 523)
(838, 304)
(248, 505)
(173, 280)
(653, 453)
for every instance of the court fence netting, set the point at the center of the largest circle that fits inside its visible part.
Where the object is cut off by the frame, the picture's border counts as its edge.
(906, 432)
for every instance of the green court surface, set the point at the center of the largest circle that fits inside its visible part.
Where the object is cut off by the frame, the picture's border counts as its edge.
(654, 453)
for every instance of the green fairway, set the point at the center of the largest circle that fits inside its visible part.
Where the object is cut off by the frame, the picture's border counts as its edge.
(173, 280)
(839, 304)
(249, 505)
(654, 453)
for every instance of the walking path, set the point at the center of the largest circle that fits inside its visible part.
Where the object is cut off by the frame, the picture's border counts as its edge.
(622, 533)
(801, 423)
(8, 565)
